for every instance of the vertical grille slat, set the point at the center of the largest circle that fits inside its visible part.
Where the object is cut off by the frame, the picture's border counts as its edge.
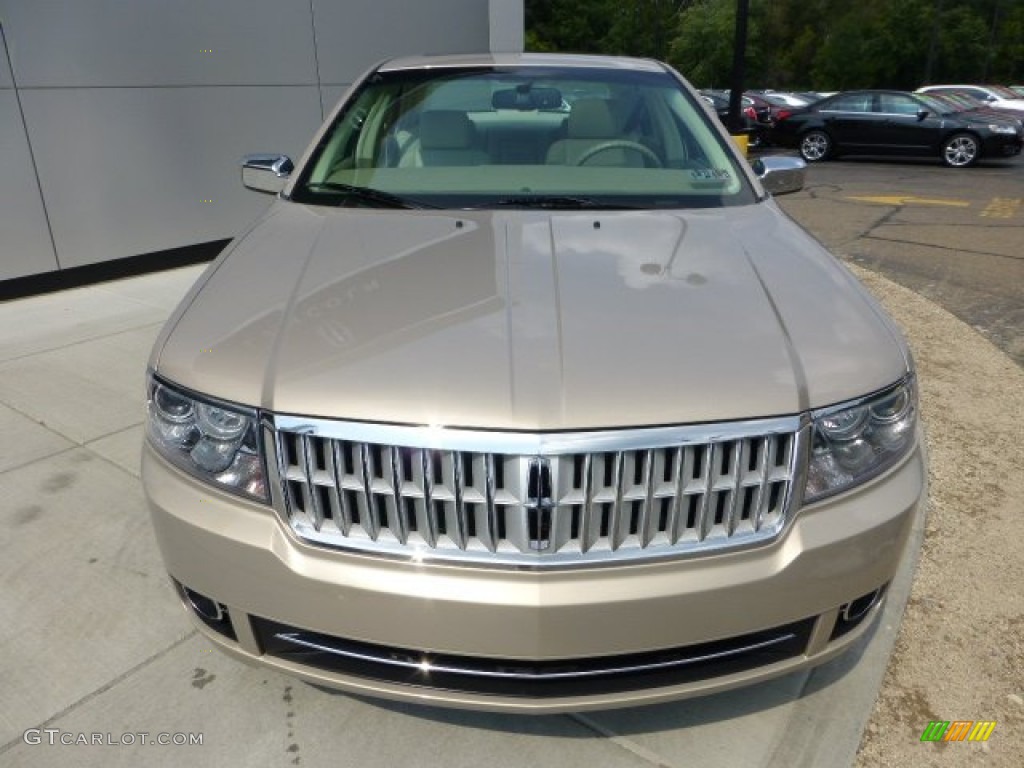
(490, 538)
(339, 503)
(763, 469)
(587, 533)
(425, 520)
(287, 487)
(764, 495)
(647, 513)
(310, 495)
(605, 504)
(554, 528)
(677, 509)
(367, 503)
(616, 517)
(459, 534)
(735, 507)
(707, 474)
(397, 521)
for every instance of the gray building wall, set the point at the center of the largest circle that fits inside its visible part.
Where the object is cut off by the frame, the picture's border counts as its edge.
(122, 121)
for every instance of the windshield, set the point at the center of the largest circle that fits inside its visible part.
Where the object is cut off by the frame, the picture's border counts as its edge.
(523, 137)
(961, 100)
(936, 104)
(1003, 92)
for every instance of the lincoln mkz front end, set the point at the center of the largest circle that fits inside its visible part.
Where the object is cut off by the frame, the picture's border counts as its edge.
(524, 395)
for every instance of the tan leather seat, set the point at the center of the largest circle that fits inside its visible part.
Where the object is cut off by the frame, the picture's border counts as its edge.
(445, 138)
(591, 124)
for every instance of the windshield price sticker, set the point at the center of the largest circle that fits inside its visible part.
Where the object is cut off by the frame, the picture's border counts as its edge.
(710, 174)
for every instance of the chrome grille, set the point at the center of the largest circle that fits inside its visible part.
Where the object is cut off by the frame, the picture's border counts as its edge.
(553, 504)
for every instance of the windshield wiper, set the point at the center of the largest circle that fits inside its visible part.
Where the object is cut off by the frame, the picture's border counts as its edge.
(370, 195)
(557, 202)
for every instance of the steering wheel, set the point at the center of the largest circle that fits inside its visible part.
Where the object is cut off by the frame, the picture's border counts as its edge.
(620, 144)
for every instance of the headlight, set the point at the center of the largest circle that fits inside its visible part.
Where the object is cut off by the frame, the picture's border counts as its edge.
(1006, 129)
(854, 442)
(213, 441)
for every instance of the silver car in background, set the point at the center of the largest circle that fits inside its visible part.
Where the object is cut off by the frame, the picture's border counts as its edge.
(524, 395)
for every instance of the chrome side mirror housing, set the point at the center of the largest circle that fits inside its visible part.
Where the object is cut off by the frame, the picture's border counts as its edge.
(266, 173)
(781, 174)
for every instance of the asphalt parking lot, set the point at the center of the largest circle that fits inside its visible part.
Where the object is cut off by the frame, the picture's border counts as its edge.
(93, 642)
(952, 248)
(956, 238)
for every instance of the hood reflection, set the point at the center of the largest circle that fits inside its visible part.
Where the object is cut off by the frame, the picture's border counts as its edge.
(399, 294)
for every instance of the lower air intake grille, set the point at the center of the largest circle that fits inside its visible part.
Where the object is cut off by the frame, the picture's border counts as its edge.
(538, 679)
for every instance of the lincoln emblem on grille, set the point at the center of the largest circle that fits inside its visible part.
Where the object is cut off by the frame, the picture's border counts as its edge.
(538, 504)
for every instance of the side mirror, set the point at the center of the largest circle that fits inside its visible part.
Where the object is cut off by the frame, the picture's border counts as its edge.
(922, 114)
(266, 173)
(780, 174)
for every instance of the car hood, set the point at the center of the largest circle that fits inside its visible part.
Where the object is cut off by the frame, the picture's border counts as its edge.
(529, 320)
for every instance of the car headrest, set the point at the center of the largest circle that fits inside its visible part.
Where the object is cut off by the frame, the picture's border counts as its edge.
(445, 129)
(591, 119)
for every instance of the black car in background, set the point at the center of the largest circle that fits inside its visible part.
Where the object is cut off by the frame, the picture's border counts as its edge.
(780, 100)
(720, 103)
(895, 123)
(756, 113)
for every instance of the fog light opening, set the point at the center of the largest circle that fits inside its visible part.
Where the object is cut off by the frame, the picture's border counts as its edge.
(213, 614)
(209, 609)
(856, 610)
(851, 614)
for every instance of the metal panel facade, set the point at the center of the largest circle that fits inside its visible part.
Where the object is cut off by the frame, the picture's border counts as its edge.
(137, 111)
(25, 246)
(146, 43)
(331, 95)
(165, 172)
(356, 34)
(5, 71)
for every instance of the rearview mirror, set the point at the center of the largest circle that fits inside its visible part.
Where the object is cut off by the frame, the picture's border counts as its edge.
(525, 99)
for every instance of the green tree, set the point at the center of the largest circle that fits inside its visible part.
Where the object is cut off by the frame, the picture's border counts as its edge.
(880, 43)
(1007, 65)
(645, 27)
(964, 44)
(702, 48)
(575, 26)
(618, 27)
(824, 44)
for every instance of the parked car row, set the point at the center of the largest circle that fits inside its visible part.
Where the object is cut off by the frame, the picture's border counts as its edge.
(997, 96)
(936, 121)
(958, 123)
(760, 109)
